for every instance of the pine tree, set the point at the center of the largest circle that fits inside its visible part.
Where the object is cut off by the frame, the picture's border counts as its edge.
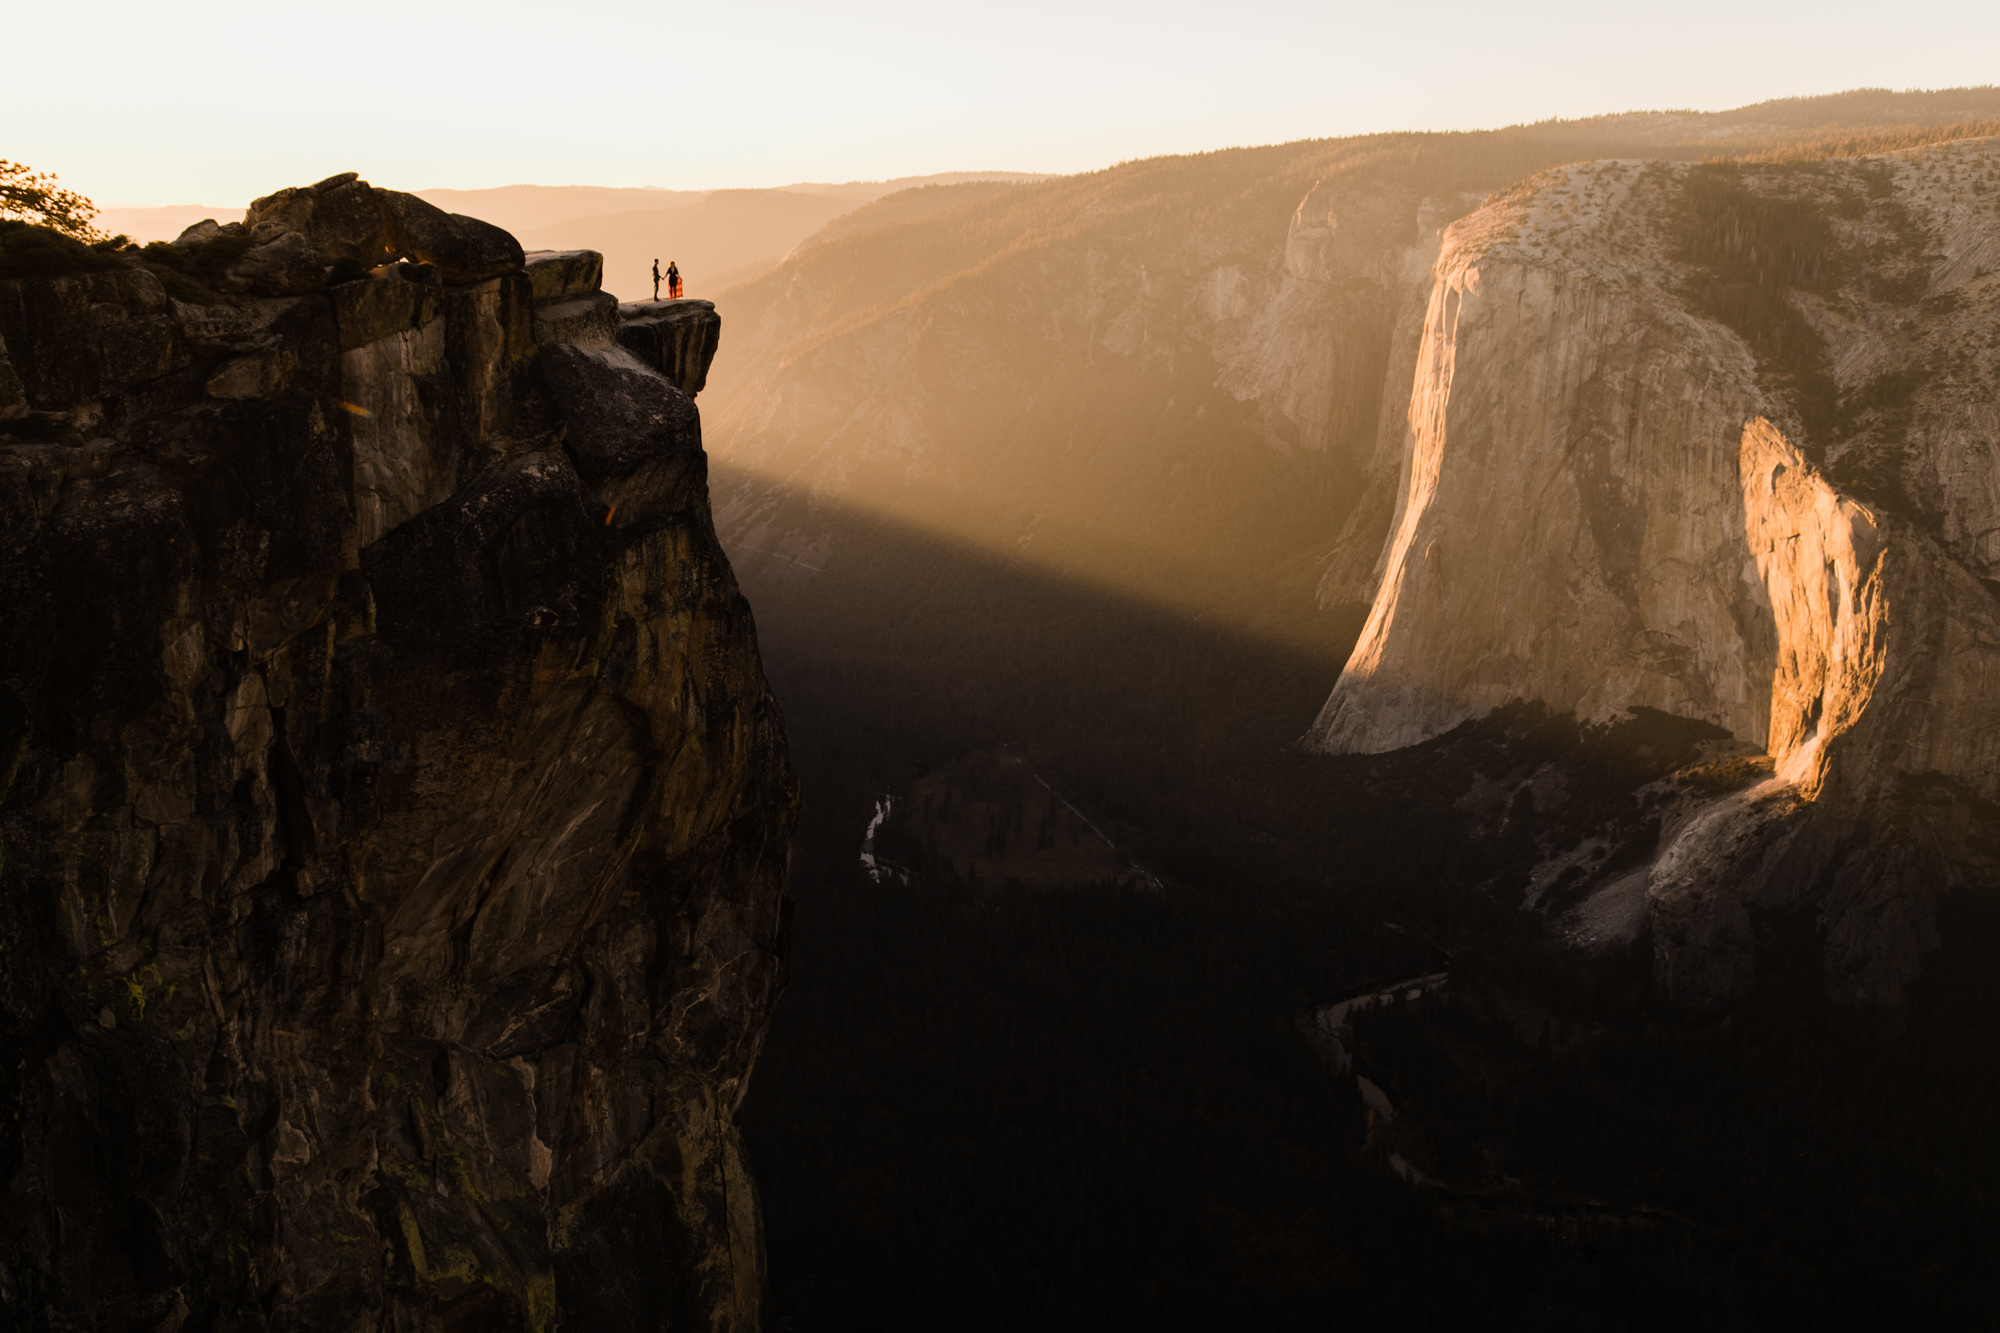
(29, 196)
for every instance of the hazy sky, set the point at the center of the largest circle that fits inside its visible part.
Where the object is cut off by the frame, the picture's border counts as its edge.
(165, 103)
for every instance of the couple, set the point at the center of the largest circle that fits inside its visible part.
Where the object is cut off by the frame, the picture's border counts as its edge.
(673, 280)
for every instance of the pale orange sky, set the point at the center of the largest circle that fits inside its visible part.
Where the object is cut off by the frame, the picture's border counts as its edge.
(155, 104)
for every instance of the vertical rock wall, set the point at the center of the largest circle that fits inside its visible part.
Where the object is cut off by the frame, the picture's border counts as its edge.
(396, 814)
(1570, 526)
(1607, 502)
(677, 338)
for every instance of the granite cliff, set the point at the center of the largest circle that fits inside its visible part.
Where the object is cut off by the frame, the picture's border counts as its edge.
(396, 815)
(1719, 441)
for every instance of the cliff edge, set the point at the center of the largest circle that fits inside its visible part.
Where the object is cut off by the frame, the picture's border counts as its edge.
(395, 814)
(1719, 441)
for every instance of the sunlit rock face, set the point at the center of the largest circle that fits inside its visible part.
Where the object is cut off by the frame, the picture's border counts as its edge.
(1553, 568)
(395, 813)
(1629, 479)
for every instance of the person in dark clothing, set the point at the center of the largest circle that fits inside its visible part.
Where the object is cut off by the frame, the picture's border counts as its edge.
(673, 280)
(656, 279)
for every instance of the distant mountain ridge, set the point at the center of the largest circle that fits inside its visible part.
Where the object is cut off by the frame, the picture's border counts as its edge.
(1864, 110)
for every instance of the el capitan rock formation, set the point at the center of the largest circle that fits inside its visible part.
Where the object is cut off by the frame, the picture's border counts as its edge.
(395, 815)
(1725, 443)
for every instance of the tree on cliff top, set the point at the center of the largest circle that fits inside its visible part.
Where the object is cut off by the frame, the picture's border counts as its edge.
(33, 197)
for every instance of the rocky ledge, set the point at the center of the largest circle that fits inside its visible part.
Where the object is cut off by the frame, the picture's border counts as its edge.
(677, 338)
(395, 813)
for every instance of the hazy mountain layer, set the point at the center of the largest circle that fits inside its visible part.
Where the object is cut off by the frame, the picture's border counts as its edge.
(718, 237)
(709, 240)
(523, 208)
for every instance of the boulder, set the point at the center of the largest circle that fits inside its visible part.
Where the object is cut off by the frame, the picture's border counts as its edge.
(200, 233)
(292, 346)
(344, 220)
(559, 275)
(292, 206)
(464, 249)
(283, 263)
(231, 327)
(350, 221)
(341, 218)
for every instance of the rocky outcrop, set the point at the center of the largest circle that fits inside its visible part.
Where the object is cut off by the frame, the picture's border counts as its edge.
(85, 337)
(1766, 505)
(395, 813)
(344, 219)
(677, 338)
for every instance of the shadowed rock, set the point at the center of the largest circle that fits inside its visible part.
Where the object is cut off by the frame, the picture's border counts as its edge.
(676, 338)
(342, 217)
(345, 221)
(559, 275)
(588, 321)
(633, 434)
(390, 908)
(78, 338)
(371, 309)
(509, 549)
(464, 249)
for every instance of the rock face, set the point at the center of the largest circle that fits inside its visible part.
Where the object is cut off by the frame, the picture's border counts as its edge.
(676, 338)
(1647, 463)
(395, 814)
(345, 218)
